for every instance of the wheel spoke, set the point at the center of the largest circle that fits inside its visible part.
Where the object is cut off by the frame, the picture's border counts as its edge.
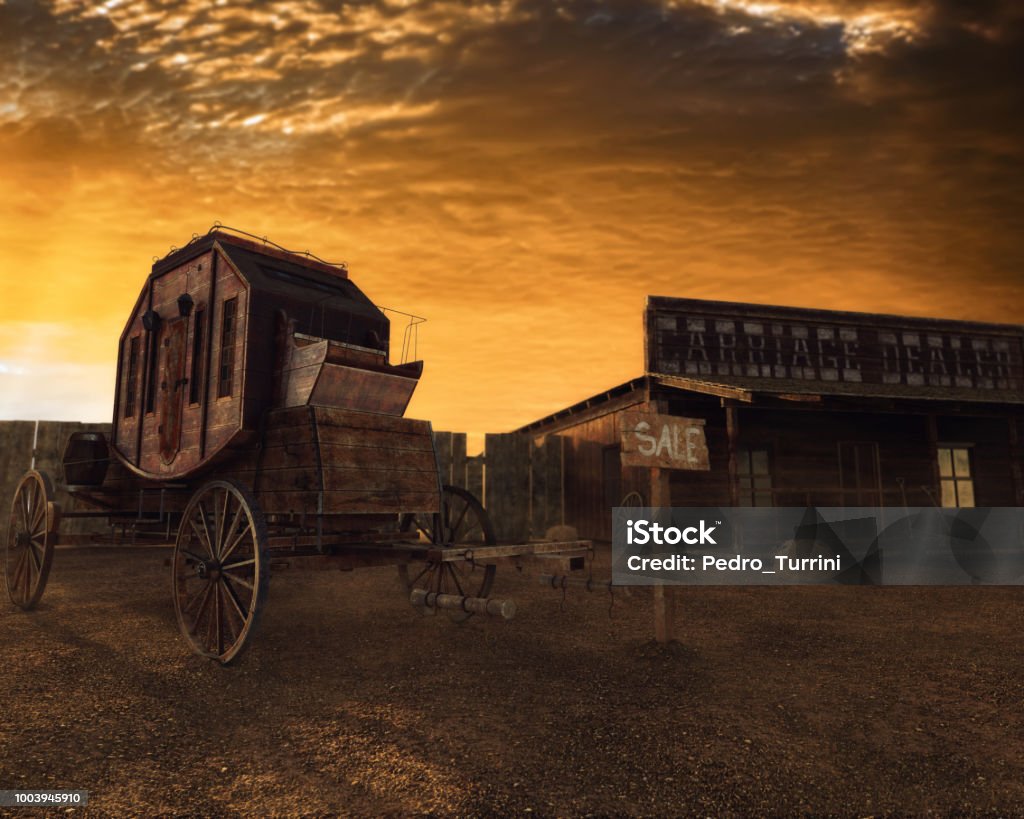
(231, 531)
(220, 512)
(455, 579)
(202, 597)
(243, 581)
(206, 528)
(233, 598)
(28, 576)
(193, 555)
(230, 567)
(210, 621)
(15, 576)
(218, 618)
(458, 523)
(416, 579)
(22, 504)
(202, 538)
(39, 510)
(425, 528)
(37, 561)
(234, 545)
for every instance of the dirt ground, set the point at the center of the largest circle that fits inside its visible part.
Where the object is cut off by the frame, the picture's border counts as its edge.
(827, 700)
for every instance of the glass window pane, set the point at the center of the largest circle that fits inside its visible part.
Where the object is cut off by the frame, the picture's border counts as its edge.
(759, 462)
(762, 483)
(763, 499)
(962, 462)
(948, 493)
(965, 492)
(945, 463)
(743, 462)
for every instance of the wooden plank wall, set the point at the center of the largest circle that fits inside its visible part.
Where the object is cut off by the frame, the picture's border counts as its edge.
(475, 476)
(547, 498)
(451, 457)
(457, 468)
(507, 485)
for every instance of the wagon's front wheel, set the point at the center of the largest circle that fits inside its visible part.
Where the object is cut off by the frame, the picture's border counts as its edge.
(462, 521)
(220, 569)
(31, 536)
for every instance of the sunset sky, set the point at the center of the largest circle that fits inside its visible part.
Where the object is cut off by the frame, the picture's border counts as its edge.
(523, 174)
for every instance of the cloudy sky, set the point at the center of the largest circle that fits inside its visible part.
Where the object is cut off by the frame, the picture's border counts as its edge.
(522, 173)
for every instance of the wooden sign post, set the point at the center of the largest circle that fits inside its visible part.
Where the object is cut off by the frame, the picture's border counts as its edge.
(662, 443)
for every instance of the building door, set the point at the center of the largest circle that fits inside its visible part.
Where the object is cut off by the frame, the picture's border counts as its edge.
(860, 477)
(172, 388)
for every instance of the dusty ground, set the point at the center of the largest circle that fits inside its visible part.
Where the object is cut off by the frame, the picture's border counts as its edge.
(848, 701)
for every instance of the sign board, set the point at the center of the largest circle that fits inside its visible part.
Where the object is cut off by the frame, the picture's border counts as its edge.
(754, 345)
(665, 441)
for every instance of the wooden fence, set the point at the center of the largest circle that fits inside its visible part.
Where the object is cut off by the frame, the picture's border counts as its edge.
(518, 482)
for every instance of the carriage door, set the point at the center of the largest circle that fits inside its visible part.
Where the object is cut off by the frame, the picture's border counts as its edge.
(172, 388)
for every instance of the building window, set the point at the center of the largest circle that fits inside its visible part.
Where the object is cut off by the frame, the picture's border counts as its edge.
(131, 387)
(955, 476)
(225, 381)
(195, 376)
(753, 473)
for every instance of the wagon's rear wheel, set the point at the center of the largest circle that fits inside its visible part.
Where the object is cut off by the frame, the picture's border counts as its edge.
(31, 536)
(220, 569)
(462, 521)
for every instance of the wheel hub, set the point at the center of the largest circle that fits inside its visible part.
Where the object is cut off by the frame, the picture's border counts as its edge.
(22, 540)
(208, 571)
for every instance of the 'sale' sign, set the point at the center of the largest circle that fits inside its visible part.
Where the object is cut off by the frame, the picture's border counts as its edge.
(665, 441)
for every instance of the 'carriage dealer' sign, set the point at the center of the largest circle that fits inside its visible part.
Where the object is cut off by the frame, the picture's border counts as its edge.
(729, 342)
(664, 441)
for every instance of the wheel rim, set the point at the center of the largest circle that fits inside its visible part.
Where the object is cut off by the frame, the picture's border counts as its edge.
(633, 500)
(220, 570)
(461, 521)
(31, 536)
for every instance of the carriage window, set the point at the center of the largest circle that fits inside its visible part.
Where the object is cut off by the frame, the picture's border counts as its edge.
(197, 356)
(154, 358)
(957, 483)
(227, 348)
(131, 387)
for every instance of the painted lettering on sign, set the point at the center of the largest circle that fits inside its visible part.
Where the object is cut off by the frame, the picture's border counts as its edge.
(686, 340)
(665, 441)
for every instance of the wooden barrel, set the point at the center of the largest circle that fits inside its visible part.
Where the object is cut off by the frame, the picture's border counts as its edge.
(86, 458)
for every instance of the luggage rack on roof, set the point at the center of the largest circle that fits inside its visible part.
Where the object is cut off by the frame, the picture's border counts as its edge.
(217, 226)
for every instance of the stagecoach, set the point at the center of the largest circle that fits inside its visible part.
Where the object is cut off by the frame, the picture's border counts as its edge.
(259, 420)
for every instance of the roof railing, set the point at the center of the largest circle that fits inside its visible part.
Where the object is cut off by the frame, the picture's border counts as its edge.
(217, 226)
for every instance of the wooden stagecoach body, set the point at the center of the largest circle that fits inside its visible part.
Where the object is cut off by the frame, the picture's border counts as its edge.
(257, 419)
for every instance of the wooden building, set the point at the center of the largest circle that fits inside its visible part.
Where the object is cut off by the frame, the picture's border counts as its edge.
(806, 407)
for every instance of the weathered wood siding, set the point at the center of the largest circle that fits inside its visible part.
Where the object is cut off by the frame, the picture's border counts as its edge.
(340, 462)
(223, 415)
(507, 485)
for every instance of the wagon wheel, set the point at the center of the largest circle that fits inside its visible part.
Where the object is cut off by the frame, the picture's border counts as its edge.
(31, 536)
(220, 569)
(632, 500)
(462, 521)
